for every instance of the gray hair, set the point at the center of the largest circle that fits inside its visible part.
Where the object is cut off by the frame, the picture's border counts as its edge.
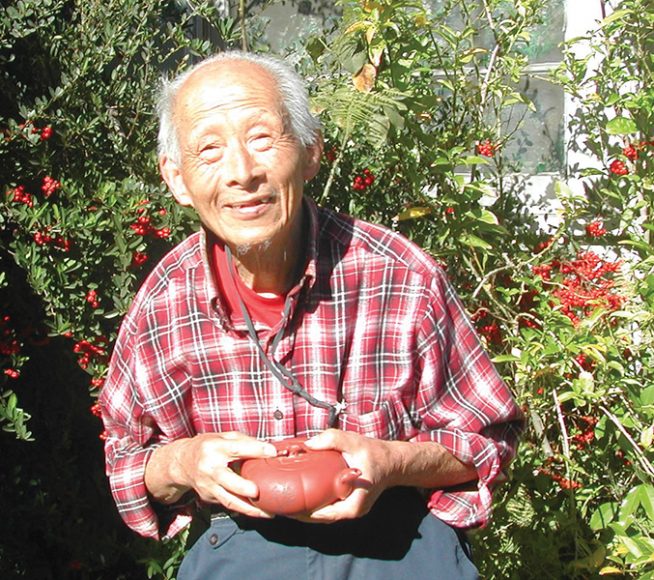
(303, 124)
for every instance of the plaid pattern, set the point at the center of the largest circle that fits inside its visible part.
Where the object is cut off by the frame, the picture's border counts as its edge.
(374, 323)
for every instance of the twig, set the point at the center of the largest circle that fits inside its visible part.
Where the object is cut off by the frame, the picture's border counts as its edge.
(487, 76)
(241, 16)
(332, 171)
(647, 465)
(488, 275)
(540, 431)
(564, 431)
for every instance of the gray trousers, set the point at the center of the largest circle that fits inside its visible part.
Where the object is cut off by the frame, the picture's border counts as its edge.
(399, 538)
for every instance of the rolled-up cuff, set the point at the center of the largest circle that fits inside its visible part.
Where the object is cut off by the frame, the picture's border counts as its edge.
(469, 508)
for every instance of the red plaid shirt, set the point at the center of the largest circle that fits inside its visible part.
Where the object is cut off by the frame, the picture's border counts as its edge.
(373, 323)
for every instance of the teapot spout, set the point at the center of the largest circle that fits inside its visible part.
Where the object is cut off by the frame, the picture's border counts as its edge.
(345, 481)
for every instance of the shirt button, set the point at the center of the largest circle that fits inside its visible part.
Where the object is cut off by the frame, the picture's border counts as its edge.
(213, 539)
(278, 415)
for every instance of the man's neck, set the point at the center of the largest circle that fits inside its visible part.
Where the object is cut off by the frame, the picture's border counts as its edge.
(273, 268)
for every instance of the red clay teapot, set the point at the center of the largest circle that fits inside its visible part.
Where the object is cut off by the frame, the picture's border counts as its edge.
(299, 480)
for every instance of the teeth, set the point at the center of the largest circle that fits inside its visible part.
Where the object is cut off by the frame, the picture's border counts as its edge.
(254, 203)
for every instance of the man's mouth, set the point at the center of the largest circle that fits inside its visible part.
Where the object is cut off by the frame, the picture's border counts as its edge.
(251, 207)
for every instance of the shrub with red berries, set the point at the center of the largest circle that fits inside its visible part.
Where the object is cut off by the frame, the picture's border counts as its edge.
(583, 284)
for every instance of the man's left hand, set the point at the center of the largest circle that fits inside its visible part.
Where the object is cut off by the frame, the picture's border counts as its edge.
(378, 465)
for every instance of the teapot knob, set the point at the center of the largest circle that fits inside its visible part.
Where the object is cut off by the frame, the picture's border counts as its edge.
(295, 449)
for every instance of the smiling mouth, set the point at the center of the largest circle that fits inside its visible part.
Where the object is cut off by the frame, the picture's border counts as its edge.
(251, 207)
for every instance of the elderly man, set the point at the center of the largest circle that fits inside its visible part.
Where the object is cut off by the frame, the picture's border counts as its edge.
(282, 319)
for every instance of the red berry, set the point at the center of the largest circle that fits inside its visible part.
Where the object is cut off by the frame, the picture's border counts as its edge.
(139, 258)
(49, 186)
(330, 154)
(618, 167)
(97, 382)
(92, 298)
(486, 148)
(595, 229)
(163, 233)
(46, 133)
(630, 152)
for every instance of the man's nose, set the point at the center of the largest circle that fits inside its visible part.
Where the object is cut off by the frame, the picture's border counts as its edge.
(240, 168)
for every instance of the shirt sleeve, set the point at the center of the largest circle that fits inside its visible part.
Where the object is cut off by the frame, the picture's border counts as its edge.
(464, 405)
(133, 432)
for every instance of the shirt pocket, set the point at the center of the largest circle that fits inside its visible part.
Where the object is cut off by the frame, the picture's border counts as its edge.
(391, 420)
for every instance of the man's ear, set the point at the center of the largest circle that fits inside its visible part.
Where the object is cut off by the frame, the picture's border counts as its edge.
(313, 157)
(172, 175)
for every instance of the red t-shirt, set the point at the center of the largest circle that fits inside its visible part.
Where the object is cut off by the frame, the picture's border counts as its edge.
(265, 309)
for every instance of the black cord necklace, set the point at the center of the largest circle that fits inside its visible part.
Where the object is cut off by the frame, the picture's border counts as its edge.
(286, 378)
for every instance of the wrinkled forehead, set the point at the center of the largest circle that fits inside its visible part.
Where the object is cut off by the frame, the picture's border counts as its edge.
(228, 85)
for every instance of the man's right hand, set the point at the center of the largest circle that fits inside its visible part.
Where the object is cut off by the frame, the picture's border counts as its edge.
(202, 463)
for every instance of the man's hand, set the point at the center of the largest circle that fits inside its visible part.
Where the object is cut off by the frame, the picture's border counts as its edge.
(202, 463)
(373, 457)
(385, 464)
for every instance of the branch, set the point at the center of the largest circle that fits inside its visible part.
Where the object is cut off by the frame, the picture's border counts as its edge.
(647, 465)
(564, 431)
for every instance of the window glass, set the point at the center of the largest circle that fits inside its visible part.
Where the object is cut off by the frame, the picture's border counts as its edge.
(537, 145)
(289, 21)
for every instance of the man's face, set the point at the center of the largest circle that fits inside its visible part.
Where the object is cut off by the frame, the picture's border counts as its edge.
(240, 166)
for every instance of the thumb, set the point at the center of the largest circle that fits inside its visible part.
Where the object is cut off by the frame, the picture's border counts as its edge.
(325, 440)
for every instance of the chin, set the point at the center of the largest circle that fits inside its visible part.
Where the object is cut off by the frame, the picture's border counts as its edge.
(259, 247)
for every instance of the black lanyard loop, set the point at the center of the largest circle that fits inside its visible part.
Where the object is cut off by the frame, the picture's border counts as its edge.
(285, 377)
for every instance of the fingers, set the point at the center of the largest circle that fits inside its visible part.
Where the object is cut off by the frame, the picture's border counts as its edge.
(357, 504)
(235, 445)
(329, 439)
(238, 504)
(214, 457)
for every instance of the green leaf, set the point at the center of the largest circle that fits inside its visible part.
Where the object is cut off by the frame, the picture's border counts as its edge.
(354, 62)
(629, 504)
(633, 546)
(647, 396)
(637, 244)
(11, 403)
(474, 241)
(621, 126)
(567, 396)
(475, 160)
(485, 216)
(646, 497)
(617, 15)
(500, 358)
(603, 516)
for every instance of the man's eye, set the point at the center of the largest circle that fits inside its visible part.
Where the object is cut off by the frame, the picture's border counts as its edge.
(210, 152)
(261, 141)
